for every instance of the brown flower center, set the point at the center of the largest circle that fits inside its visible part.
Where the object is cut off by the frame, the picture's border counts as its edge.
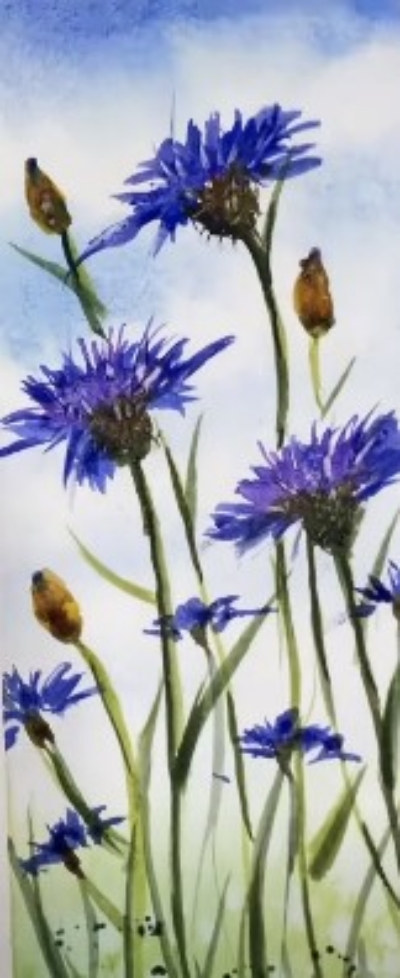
(123, 429)
(228, 206)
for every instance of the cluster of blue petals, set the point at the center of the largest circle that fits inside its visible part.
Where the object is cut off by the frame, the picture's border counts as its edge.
(272, 740)
(376, 592)
(67, 835)
(24, 700)
(260, 148)
(64, 400)
(194, 614)
(362, 458)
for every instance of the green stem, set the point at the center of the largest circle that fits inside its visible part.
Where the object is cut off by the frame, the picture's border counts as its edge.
(173, 699)
(283, 596)
(261, 257)
(113, 709)
(255, 897)
(346, 579)
(318, 633)
(315, 371)
(303, 869)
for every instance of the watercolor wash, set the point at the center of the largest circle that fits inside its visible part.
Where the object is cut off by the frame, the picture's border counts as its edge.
(210, 862)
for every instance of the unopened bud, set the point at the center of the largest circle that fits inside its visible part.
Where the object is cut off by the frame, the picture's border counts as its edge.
(46, 203)
(55, 607)
(311, 296)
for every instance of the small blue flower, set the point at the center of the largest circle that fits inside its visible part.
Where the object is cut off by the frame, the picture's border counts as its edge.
(23, 702)
(65, 837)
(195, 616)
(99, 407)
(378, 593)
(212, 178)
(280, 739)
(320, 484)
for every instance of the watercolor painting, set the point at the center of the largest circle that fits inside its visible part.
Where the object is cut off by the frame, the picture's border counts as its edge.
(200, 470)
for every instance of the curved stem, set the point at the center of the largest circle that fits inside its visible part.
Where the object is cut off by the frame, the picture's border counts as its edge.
(315, 371)
(303, 869)
(173, 700)
(283, 596)
(346, 579)
(261, 258)
(137, 893)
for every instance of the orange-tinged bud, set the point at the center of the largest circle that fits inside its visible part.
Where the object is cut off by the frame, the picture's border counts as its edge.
(55, 607)
(45, 201)
(311, 296)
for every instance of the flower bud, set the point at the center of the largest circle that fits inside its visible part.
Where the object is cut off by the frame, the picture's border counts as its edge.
(311, 296)
(38, 730)
(45, 201)
(55, 607)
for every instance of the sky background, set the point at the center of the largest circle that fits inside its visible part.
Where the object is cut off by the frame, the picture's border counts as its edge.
(88, 89)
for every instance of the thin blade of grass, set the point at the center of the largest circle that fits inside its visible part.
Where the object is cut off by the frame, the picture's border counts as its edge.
(338, 388)
(389, 745)
(207, 970)
(202, 709)
(34, 907)
(190, 489)
(93, 959)
(104, 904)
(239, 765)
(255, 895)
(328, 840)
(59, 272)
(183, 508)
(129, 587)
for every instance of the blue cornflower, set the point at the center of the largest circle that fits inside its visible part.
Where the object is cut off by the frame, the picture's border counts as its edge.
(280, 739)
(320, 484)
(378, 593)
(99, 407)
(195, 616)
(65, 837)
(212, 178)
(24, 702)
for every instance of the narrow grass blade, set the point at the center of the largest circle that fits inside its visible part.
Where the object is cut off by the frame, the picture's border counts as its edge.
(389, 746)
(383, 550)
(146, 737)
(327, 842)
(190, 489)
(239, 765)
(33, 903)
(338, 388)
(207, 970)
(373, 851)
(183, 508)
(84, 289)
(255, 895)
(92, 942)
(104, 904)
(202, 709)
(129, 587)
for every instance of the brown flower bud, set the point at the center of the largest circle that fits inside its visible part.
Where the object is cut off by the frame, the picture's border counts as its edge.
(311, 296)
(46, 203)
(55, 607)
(38, 730)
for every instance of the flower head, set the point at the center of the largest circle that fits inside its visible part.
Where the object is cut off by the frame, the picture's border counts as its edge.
(194, 616)
(55, 607)
(99, 406)
(24, 702)
(376, 592)
(65, 837)
(280, 739)
(320, 484)
(212, 178)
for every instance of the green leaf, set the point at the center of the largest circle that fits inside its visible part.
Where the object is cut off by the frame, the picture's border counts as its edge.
(105, 905)
(255, 894)
(328, 840)
(239, 764)
(202, 709)
(129, 587)
(92, 944)
(207, 970)
(59, 272)
(33, 903)
(191, 472)
(384, 546)
(389, 745)
(183, 508)
(338, 388)
(146, 738)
